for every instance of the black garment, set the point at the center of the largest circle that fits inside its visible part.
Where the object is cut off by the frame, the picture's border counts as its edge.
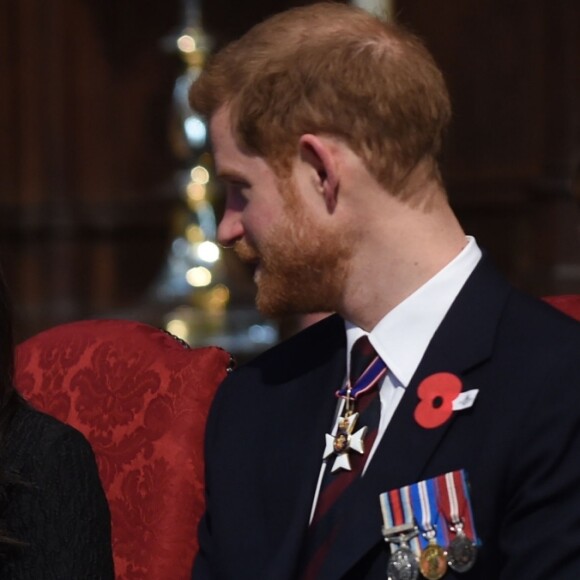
(60, 510)
(519, 444)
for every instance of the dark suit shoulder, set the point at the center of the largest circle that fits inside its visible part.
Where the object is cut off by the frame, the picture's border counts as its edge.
(535, 324)
(309, 348)
(311, 361)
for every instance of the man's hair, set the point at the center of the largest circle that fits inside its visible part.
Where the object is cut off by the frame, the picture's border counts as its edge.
(336, 70)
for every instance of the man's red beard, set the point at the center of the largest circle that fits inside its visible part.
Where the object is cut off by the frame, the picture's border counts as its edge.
(300, 269)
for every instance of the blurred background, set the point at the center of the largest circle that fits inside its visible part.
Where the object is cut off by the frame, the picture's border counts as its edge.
(107, 201)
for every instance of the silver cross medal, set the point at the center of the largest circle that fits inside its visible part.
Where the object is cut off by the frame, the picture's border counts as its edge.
(345, 440)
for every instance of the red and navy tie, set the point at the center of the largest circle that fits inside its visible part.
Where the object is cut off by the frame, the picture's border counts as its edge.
(327, 518)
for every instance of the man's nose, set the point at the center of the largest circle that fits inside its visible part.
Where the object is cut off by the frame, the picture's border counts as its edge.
(230, 228)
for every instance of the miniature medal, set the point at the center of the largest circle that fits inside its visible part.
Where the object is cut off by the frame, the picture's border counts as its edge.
(398, 530)
(433, 561)
(433, 558)
(462, 552)
(456, 507)
(403, 564)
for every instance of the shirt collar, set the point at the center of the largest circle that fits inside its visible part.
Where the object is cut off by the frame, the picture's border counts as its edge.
(402, 336)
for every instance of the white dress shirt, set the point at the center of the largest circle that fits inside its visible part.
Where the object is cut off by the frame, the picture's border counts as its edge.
(403, 335)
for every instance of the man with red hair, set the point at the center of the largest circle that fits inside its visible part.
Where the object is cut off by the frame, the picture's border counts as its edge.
(326, 124)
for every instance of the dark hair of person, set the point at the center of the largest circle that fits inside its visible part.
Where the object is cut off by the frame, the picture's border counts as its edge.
(10, 400)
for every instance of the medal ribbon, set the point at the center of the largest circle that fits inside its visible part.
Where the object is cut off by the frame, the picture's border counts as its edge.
(455, 503)
(396, 509)
(367, 380)
(425, 507)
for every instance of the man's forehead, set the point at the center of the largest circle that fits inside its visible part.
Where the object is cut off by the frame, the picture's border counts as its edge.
(231, 162)
(225, 148)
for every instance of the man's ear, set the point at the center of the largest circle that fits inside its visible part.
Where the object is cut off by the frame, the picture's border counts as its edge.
(316, 152)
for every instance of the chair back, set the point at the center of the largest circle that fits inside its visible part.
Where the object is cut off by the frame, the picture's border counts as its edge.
(567, 303)
(141, 397)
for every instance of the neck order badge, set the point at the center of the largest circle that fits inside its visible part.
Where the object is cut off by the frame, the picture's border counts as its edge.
(367, 369)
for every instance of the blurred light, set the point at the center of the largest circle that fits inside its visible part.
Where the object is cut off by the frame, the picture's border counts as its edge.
(200, 174)
(218, 297)
(198, 277)
(195, 131)
(180, 247)
(208, 252)
(178, 328)
(186, 43)
(384, 9)
(261, 334)
(194, 234)
(195, 191)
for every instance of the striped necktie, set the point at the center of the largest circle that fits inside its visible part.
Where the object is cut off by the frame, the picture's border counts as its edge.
(327, 519)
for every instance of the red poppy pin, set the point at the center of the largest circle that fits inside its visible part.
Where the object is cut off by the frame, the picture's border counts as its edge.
(437, 394)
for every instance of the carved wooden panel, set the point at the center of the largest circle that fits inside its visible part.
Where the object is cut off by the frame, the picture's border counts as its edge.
(85, 163)
(513, 152)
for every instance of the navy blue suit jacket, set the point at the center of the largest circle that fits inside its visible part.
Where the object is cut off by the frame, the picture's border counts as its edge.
(519, 443)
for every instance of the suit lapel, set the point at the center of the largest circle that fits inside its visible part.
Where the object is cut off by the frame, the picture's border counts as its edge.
(463, 341)
(314, 414)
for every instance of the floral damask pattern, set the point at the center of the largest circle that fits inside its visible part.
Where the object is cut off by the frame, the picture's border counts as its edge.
(115, 386)
(141, 399)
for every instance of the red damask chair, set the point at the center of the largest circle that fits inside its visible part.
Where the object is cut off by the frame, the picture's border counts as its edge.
(567, 303)
(141, 398)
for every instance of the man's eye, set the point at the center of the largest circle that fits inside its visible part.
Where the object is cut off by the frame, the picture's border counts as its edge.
(237, 194)
(238, 189)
